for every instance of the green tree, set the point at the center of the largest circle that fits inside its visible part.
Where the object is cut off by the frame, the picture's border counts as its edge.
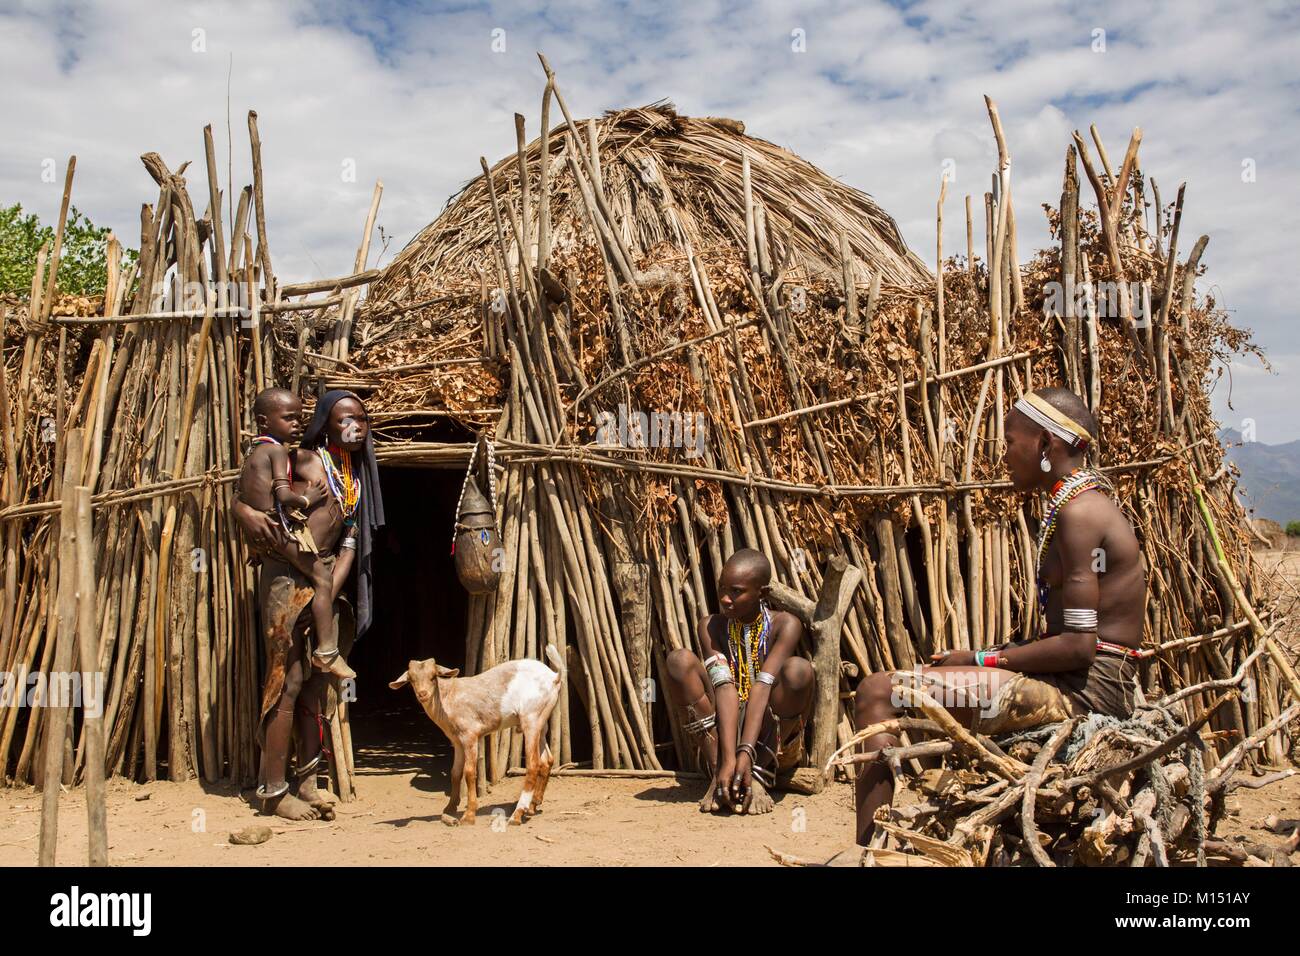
(1293, 528)
(83, 260)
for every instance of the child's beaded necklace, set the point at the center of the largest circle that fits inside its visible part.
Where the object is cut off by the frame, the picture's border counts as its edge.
(747, 646)
(271, 440)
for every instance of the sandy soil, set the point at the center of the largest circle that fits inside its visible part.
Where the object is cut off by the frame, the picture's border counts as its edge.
(402, 788)
(403, 764)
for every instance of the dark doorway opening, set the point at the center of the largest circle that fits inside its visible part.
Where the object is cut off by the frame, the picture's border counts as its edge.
(420, 611)
(420, 607)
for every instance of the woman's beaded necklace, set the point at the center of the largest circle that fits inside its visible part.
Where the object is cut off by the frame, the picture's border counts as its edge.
(343, 484)
(1064, 489)
(747, 646)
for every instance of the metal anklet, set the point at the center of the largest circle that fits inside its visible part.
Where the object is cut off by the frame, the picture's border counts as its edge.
(311, 767)
(280, 791)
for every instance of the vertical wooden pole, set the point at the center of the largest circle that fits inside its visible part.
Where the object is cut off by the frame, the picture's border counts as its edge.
(56, 725)
(92, 681)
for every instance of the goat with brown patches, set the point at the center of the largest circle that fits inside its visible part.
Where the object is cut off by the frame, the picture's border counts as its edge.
(513, 694)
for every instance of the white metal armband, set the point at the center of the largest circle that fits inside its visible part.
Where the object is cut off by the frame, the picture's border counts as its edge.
(1080, 619)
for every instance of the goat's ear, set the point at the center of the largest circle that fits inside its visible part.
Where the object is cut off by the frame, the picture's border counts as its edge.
(401, 681)
(447, 671)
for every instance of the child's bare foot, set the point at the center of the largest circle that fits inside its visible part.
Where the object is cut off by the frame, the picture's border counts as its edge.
(334, 665)
(760, 801)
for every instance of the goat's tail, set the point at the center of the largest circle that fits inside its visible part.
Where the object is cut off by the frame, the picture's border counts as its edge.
(557, 661)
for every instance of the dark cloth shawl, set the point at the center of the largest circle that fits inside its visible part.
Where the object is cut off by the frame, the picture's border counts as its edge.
(370, 511)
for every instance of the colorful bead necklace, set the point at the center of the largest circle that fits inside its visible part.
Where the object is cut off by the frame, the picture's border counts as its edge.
(271, 440)
(1064, 489)
(343, 484)
(747, 646)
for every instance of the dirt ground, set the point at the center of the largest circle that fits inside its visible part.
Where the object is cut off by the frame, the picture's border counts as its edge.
(403, 763)
(401, 790)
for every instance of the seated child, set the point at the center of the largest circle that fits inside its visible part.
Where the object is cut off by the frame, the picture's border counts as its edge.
(266, 483)
(747, 701)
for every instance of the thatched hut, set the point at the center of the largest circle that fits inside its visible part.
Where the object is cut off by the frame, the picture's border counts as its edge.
(676, 340)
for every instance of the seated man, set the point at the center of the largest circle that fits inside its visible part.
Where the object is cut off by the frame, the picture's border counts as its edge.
(1091, 591)
(747, 702)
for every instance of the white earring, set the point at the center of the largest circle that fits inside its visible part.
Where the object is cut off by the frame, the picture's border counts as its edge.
(1045, 464)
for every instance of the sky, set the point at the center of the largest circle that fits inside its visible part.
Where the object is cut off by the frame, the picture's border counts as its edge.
(883, 96)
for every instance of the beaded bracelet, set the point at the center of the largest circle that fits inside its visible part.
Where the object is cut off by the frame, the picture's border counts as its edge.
(986, 658)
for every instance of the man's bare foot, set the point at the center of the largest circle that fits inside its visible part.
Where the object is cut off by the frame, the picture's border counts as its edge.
(337, 666)
(289, 807)
(323, 802)
(760, 801)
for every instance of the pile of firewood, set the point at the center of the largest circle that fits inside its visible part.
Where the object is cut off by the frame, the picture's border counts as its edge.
(1091, 791)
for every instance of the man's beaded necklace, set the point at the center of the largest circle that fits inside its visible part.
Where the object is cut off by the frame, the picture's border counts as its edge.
(747, 646)
(343, 484)
(1065, 489)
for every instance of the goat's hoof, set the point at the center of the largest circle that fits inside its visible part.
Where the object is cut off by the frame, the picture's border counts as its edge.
(516, 819)
(450, 819)
(467, 820)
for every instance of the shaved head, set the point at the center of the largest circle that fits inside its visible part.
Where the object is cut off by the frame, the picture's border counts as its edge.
(751, 566)
(270, 399)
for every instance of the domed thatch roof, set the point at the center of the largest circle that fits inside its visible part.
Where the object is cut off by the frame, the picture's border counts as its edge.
(653, 162)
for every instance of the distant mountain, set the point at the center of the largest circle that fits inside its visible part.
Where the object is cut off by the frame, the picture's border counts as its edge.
(1270, 476)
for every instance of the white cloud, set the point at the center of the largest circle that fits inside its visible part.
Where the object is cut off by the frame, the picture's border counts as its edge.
(880, 98)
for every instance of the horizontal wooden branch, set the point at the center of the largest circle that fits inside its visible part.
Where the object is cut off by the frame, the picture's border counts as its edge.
(882, 392)
(306, 305)
(106, 499)
(229, 313)
(329, 285)
(597, 456)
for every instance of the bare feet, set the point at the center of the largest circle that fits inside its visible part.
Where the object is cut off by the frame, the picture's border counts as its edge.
(337, 666)
(289, 807)
(715, 798)
(760, 801)
(323, 802)
(709, 802)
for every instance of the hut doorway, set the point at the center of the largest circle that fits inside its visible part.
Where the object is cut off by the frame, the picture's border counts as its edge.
(420, 607)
